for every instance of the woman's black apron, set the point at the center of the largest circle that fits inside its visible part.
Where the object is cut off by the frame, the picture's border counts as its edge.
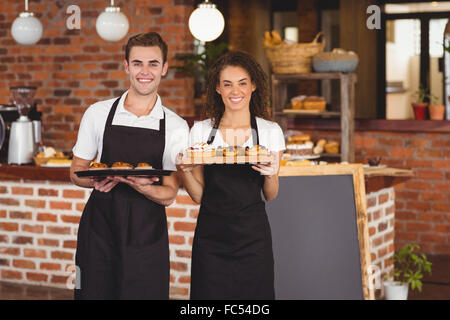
(232, 250)
(122, 247)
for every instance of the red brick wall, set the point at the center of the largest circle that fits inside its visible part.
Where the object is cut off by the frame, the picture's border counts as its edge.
(423, 202)
(75, 68)
(39, 225)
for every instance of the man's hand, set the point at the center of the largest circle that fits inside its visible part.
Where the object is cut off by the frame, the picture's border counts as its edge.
(137, 183)
(104, 185)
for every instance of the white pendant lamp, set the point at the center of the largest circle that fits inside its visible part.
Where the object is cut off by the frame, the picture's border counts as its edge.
(112, 25)
(26, 29)
(206, 23)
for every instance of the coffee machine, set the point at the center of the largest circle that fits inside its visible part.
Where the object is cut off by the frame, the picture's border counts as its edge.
(24, 133)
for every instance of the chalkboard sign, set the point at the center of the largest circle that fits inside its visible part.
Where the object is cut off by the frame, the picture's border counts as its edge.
(319, 234)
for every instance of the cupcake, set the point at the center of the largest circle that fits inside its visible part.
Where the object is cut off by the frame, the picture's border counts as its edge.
(256, 150)
(230, 151)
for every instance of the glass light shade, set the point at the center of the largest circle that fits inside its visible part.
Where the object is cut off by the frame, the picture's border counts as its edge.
(206, 23)
(27, 29)
(112, 25)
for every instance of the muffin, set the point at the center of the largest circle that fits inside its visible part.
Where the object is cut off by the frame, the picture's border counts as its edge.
(121, 165)
(143, 166)
(98, 166)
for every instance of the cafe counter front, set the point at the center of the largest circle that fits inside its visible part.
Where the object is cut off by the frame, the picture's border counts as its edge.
(40, 210)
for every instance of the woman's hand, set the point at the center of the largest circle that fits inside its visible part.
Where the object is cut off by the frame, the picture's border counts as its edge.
(184, 167)
(104, 184)
(271, 168)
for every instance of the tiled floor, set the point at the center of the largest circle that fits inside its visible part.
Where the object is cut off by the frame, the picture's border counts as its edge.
(435, 287)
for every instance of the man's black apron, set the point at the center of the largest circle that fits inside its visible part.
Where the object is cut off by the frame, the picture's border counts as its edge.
(232, 250)
(122, 247)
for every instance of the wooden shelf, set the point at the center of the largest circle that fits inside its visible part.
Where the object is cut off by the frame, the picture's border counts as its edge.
(347, 105)
(309, 113)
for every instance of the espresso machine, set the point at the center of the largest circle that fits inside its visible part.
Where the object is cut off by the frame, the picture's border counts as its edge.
(24, 135)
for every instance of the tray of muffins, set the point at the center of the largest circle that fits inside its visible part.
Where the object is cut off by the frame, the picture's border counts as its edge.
(203, 153)
(97, 169)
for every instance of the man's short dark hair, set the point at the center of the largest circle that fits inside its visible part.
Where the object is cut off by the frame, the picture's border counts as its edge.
(148, 39)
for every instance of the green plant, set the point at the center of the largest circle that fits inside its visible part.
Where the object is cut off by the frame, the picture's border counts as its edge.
(198, 65)
(409, 266)
(421, 95)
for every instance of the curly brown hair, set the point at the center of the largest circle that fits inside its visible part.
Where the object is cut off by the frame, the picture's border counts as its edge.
(214, 107)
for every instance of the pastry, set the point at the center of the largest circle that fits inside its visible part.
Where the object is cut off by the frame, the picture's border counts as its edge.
(143, 166)
(318, 149)
(302, 163)
(59, 161)
(240, 151)
(256, 150)
(97, 166)
(301, 138)
(297, 102)
(121, 165)
(201, 149)
(299, 149)
(230, 151)
(332, 147)
(314, 103)
(219, 151)
(321, 143)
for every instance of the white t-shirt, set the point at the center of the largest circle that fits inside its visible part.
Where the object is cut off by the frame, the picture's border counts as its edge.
(92, 126)
(270, 135)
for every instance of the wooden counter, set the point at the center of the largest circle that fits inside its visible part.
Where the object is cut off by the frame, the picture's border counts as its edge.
(376, 178)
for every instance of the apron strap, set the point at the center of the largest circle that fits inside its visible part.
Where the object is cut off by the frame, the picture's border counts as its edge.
(255, 134)
(112, 112)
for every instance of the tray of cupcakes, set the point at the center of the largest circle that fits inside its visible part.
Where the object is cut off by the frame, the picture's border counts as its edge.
(97, 169)
(203, 153)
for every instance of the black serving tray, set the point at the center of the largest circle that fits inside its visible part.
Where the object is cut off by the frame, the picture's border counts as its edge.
(123, 172)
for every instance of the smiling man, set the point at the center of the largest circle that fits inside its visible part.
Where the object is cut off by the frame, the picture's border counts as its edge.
(122, 247)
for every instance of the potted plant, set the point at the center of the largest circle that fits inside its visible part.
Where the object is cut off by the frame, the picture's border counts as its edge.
(198, 64)
(420, 105)
(437, 111)
(408, 271)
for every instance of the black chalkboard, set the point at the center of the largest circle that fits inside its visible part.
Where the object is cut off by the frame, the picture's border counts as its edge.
(315, 238)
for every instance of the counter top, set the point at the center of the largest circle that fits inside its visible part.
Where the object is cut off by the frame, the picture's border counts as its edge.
(33, 173)
(376, 178)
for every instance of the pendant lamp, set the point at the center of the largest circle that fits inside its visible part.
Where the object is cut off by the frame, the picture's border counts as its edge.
(26, 29)
(206, 23)
(112, 25)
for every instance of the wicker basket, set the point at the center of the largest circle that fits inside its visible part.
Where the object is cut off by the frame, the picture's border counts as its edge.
(294, 58)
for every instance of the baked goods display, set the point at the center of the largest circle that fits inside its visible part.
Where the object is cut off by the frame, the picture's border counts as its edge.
(50, 154)
(301, 145)
(203, 153)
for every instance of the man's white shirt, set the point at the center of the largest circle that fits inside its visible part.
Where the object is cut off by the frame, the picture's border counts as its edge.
(92, 126)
